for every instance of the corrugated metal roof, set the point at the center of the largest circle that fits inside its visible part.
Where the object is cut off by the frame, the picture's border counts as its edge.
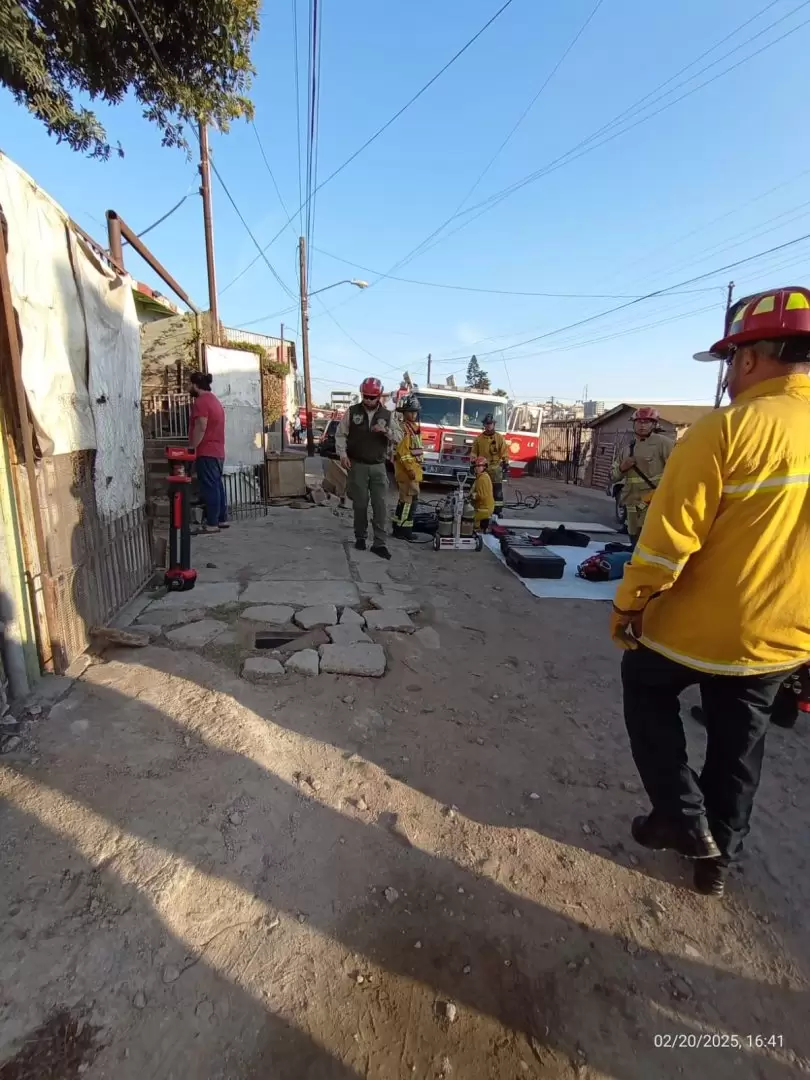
(677, 415)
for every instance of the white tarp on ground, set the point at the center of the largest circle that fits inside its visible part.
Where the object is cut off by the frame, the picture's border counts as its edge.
(81, 352)
(114, 347)
(569, 586)
(46, 299)
(237, 384)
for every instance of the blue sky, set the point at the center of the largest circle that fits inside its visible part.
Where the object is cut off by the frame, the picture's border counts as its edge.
(719, 176)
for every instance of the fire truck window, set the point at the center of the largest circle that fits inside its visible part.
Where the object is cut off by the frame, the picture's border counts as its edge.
(442, 411)
(475, 411)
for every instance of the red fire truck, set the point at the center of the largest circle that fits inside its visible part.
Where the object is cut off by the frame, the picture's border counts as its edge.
(450, 420)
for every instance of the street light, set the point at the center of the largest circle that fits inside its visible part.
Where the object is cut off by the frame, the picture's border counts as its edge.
(302, 267)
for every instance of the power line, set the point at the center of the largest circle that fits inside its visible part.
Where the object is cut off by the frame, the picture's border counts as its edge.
(267, 166)
(384, 127)
(161, 219)
(648, 296)
(588, 145)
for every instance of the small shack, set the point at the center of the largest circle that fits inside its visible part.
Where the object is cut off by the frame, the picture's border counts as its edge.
(614, 429)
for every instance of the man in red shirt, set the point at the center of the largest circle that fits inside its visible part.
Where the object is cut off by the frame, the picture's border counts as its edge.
(207, 437)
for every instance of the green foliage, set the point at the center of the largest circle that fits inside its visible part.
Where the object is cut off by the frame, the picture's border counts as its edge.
(500, 393)
(477, 378)
(55, 51)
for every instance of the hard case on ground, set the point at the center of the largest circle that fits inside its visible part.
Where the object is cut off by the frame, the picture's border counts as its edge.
(535, 562)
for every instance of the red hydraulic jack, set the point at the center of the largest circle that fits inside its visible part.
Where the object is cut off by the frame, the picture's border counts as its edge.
(180, 577)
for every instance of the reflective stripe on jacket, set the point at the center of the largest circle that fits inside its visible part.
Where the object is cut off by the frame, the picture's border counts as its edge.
(408, 456)
(722, 566)
(492, 447)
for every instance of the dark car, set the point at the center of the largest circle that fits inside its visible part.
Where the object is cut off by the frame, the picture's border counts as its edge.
(326, 443)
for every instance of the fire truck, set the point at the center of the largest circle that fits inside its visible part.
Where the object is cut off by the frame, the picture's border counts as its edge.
(450, 420)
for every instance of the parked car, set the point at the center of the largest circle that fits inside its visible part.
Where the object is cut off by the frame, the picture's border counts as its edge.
(326, 443)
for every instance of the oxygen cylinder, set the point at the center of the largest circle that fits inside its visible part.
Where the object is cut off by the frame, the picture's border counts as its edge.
(446, 518)
(467, 518)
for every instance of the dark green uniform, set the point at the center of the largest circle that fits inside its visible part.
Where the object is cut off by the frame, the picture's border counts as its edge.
(367, 451)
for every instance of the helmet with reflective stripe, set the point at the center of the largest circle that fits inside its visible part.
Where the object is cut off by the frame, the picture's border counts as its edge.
(646, 413)
(371, 387)
(768, 316)
(408, 403)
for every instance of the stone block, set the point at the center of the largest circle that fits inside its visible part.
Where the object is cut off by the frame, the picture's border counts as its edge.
(275, 614)
(347, 634)
(196, 634)
(301, 593)
(256, 668)
(207, 594)
(353, 660)
(305, 662)
(350, 617)
(390, 619)
(319, 615)
(400, 601)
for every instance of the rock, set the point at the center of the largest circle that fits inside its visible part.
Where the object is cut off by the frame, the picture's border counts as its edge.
(317, 496)
(418, 945)
(681, 988)
(368, 660)
(139, 1001)
(586, 828)
(690, 950)
(534, 796)
(320, 615)
(361, 804)
(480, 741)
(204, 1010)
(171, 974)
(428, 638)
(390, 619)
(305, 662)
(466, 969)
(11, 744)
(235, 818)
(275, 614)
(350, 617)
(197, 634)
(152, 630)
(34, 710)
(226, 639)
(301, 593)
(261, 667)
(451, 1012)
(349, 699)
(107, 636)
(310, 639)
(397, 600)
(633, 860)
(314, 784)
(348, 634)
(391, 895)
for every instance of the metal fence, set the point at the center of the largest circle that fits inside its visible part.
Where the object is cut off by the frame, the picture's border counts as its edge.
(246, 491)
(165, 416)
(560, 452)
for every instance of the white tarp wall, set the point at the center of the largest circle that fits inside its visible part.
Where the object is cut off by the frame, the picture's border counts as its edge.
(81, 357)
(237, 384)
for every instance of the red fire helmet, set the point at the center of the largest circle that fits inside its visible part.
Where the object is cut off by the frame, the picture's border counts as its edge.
(768, 316)
(371, 387)
(646, 413)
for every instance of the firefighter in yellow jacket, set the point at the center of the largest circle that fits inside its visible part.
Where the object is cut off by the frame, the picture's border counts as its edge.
(481, 495)
(491, 445)
(408, 470)
(640, 466)
(716, 592)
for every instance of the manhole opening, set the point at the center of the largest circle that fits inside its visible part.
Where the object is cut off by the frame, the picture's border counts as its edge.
(266, 640)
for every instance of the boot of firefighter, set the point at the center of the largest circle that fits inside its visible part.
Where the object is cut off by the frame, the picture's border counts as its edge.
(398, 527)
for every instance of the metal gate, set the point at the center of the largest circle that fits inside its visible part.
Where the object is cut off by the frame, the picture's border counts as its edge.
(560, 451)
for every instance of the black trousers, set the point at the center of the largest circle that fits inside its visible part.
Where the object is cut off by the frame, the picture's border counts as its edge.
(737, 710)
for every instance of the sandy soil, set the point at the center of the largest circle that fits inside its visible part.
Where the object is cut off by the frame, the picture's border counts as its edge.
(427, 875)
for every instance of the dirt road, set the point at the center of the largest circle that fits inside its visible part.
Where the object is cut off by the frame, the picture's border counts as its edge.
(427, 875)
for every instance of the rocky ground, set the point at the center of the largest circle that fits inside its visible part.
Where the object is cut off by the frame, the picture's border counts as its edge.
(215, 868)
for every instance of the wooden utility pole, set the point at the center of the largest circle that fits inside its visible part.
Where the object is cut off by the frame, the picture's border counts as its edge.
(302, 272)
(208, 220)
(430, 358)
(284, 417)
(718, 393)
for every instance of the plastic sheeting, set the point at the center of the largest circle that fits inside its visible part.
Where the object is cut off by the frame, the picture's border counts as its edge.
(569, 586)
(81, 357)
(237, 384)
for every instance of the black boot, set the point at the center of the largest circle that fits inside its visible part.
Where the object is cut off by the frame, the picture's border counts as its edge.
(360, 543)
(693, 842)
(710, 877)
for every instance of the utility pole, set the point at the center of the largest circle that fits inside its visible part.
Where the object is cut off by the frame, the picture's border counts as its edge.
(430, 357)
(302, 271)
(208, 220)
(718, 393)
(282, 360)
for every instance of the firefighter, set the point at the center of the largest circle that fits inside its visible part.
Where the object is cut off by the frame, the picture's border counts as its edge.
(716, 592)
(362, 442)
(407, 465)
(482, 495)
(639, 467)
(492, 446)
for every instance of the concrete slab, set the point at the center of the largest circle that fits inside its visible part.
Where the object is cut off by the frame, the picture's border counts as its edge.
(306, 662)
(350, 617)
(318, 562)
(206, 595)
(226, 639)
(169, 618)
(388, 601)
(320, 615)
(368, 588)
(368, 660)
(197, 634)
(275, 614)
(390, 619)
(348, 634)
(301, 593)
(256, 668)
